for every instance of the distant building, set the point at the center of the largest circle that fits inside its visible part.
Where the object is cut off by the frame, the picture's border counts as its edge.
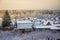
(58, 18)
(0, 22)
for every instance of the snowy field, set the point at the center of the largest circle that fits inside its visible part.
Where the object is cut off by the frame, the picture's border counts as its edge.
(35, 35)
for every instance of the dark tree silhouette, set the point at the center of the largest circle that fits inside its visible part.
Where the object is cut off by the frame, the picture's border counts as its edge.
(6, 20)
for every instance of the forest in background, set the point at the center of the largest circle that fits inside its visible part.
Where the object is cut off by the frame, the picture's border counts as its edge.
(31, 13)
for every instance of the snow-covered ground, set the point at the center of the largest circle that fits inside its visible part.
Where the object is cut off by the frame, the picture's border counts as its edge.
(35, 35)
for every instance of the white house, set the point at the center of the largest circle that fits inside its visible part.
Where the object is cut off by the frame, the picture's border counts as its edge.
(56, 27)
(0, 21)
(24, 24)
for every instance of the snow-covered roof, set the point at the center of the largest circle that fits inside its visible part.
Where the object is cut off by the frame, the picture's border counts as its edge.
(45, 23)
(24, 21)
(24, 24)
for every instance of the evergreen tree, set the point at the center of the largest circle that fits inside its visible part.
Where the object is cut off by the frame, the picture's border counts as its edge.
(6, 20)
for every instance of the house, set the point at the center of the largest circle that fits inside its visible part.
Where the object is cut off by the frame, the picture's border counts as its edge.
(55, 27)
(58, 18)
(0, 22)
(48, 22)
(45, 25)
(24, 24)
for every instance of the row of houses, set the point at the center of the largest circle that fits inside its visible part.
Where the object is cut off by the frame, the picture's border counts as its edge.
(34, 22)
(38, 24)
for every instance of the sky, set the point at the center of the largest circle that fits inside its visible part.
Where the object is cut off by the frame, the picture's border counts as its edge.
(30, 4)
